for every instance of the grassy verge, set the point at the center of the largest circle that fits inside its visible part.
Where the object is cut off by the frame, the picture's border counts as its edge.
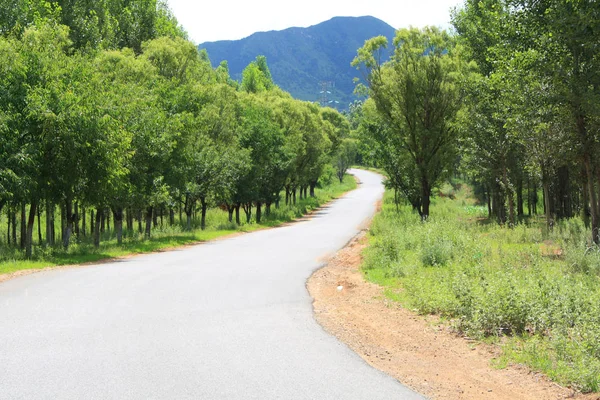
(536, 293)
(12, 260)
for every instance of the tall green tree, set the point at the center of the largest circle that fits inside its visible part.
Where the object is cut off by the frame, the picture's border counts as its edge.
(419, 94)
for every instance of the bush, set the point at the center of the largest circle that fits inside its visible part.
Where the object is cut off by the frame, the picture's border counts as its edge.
(542, 291)
(436, 253)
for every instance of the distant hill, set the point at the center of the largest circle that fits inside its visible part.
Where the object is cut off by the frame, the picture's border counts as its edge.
(300, 59)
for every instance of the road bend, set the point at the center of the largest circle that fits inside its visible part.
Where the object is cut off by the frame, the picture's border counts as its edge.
(229, 319)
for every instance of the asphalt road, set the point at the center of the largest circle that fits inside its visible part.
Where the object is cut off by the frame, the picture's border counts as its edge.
(229, 319)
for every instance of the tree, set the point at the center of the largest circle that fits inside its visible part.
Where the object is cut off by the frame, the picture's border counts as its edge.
(12, 77)
(256, 77)
(270, 158)
(419, 95)
(541, 72)
(345, 157)
(566, 35)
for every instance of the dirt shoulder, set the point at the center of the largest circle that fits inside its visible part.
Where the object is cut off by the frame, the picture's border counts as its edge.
(418, 351)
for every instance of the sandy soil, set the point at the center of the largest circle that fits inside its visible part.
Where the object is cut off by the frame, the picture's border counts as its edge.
(418, 351)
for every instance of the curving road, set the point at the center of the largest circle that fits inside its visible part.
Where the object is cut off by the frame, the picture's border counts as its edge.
(229, 319)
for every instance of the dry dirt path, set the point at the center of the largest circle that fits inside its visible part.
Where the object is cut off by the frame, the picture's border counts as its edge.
(418, 351)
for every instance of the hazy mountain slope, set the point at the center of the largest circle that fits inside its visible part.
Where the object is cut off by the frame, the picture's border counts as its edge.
(301, 58)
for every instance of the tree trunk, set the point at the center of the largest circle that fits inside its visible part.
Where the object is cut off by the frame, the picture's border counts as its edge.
(258, 212)
(294, 196)
(592, 199)
(118, 217)
(149, 212)
(230, 210)
(76, 219)
(129, 218)
(103, 223)
(495, 201)
(171, 216)
(23, 225)
(547, 199)
(313, 185)
(425, 197)
(489, 202)
(83, 224)
(93, 223)
(155, 217)
(544, 199)
(8, 223)
(39, 223)
(204, 207)
(96, 226)
(108, 222)
(564, 200)
(248, 210)
(189, 208)
(188, 224)
(63, 222)
(139, 220)
(14, 227)
(520, 208)
(268, 209)
(509, 194)
(69, 223)
(589, 172)
(29, 233)
(528, 197)
(585, 207)
(237, 214)
(534, 198)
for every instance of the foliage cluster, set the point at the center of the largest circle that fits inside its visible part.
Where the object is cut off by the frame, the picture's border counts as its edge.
(533, 111)
(510, 100)
(106, 108)
(411, 119)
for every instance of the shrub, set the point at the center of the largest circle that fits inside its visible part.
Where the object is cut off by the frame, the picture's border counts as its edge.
(540, 289)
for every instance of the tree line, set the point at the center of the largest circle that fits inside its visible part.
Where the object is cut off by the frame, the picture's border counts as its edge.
(510, 99)
(106, 108)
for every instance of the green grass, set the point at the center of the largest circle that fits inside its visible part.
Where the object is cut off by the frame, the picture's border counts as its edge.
(167, 237)
(538, 292)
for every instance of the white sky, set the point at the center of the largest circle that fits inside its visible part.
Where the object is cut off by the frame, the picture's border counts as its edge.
(208, 21)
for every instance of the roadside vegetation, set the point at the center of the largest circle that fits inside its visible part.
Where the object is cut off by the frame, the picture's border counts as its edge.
(509, 102)
(165, 235)
(117, 135)
(109, 116)
(534, 291)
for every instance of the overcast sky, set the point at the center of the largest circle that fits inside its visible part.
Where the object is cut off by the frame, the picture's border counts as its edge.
(235, 19)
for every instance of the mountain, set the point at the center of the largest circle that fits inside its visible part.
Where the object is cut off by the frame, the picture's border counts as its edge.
(306, 61)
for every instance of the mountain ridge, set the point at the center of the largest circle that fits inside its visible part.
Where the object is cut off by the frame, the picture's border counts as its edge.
(305, 61)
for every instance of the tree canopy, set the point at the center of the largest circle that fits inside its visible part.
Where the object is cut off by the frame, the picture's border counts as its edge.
(105, 106)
